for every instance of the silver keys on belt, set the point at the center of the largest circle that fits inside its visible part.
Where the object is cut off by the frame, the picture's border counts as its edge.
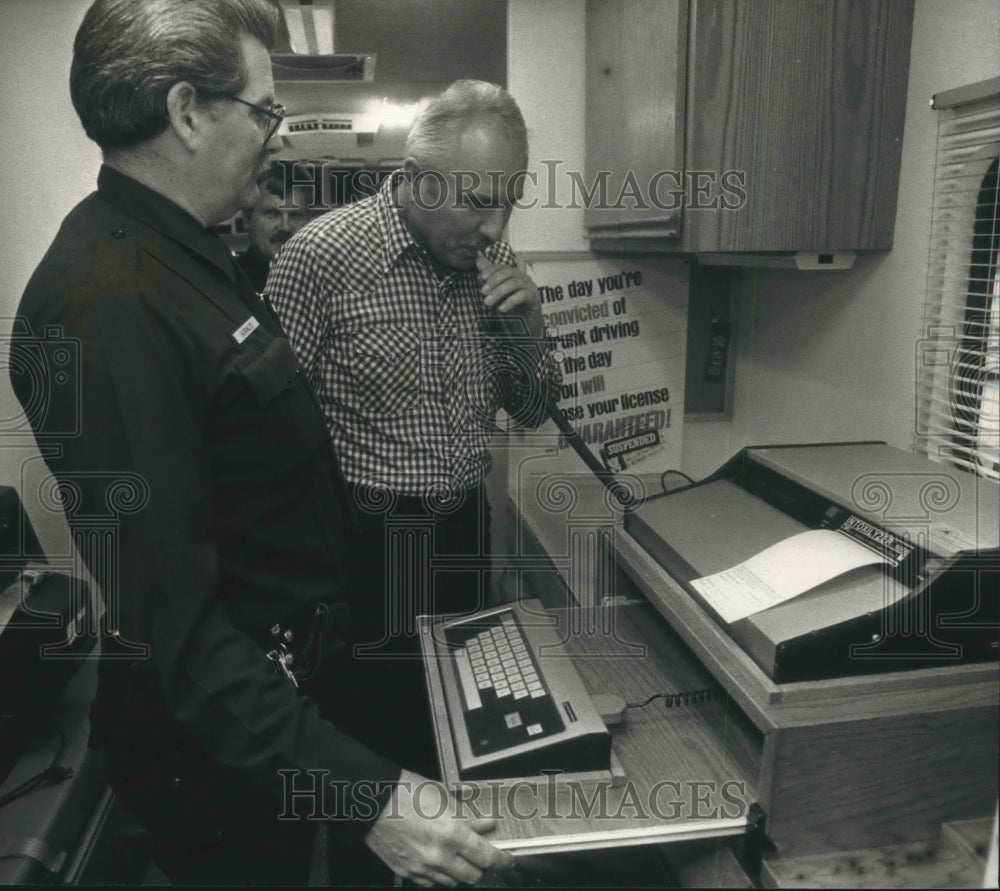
(281, 655)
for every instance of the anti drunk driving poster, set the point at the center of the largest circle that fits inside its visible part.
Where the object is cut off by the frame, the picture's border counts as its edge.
(618, 328)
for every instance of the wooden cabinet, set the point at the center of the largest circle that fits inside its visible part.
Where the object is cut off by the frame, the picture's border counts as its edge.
(843, 763)
(727, 126)
(636, 52)
(848, 764)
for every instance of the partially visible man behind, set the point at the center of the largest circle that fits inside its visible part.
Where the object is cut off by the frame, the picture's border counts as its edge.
(279, 213)
(415, 325)
(185, 430)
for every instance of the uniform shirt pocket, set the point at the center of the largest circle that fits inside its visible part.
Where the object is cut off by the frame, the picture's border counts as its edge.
(385, 365)
(272, 372)
(276, 419)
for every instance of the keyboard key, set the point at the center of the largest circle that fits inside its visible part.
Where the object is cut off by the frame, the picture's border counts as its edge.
(469, 687)
(522, 712)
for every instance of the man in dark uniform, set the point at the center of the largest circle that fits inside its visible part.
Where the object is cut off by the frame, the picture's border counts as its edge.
(184, 427)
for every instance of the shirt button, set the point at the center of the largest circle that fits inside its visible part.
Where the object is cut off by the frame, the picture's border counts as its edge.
(118, 233)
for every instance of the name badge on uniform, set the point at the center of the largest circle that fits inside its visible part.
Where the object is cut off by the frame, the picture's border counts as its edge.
(246, 329)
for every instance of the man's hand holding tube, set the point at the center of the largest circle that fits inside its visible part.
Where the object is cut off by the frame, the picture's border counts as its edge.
(514, 312)
(509, 292)
(429, 841)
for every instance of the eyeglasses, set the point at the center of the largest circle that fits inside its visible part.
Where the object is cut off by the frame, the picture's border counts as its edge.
(275, 112)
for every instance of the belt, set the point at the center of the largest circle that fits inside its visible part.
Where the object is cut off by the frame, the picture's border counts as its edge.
(382, 501)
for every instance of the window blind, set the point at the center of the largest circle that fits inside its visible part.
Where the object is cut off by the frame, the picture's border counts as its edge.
(958, 361)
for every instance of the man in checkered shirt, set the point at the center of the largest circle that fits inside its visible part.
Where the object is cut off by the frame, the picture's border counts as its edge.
(415, 326)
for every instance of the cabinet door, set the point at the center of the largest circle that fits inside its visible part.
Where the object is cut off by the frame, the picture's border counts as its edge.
(635, 83)
(770, 126)
(805, 101)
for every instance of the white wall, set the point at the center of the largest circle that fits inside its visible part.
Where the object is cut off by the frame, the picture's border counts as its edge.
(830, 355)
(48, 166)
(47, 161)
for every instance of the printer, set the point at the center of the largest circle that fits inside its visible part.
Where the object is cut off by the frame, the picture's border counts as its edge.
(934, 599)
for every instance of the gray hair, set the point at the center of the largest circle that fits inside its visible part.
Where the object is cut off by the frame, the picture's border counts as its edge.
(129, 53)
(447, 116)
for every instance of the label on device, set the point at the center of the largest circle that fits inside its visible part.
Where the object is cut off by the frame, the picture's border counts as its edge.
(883, 543)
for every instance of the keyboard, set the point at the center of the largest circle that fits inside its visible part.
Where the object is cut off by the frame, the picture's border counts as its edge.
(515, 701)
